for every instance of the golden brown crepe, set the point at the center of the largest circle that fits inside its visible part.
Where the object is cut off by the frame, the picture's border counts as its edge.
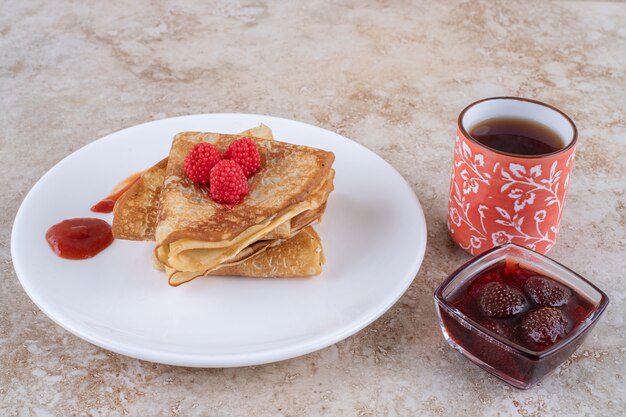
(299, 256)
(135, 213)
(194, 234)
(266, 235)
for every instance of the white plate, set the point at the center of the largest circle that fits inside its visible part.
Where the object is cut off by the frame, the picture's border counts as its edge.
(373, 233)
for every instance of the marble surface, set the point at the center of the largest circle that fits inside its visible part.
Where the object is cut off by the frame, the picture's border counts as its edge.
(392, 75)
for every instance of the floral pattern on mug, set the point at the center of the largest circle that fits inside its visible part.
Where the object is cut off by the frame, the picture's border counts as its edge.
(497, 199)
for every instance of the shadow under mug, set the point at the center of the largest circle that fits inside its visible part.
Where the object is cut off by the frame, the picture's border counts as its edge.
(498, 197)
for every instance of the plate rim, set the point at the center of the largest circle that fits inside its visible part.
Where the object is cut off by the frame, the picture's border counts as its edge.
(263, 356)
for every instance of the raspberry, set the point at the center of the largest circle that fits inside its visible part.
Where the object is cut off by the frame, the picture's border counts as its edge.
(500, 301)
(245, 153)
(544, 326)
(200, 161)
(546, 292)
(228, 183)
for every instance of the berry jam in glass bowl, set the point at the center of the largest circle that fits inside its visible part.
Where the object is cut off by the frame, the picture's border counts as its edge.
(516, 313)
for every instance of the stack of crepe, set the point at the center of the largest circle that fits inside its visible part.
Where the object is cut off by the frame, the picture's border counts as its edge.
(269, 234)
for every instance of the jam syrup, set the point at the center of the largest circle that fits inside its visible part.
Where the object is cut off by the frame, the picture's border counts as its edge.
(106, 205)
(526, 368)
(79, 238)
(575, 310)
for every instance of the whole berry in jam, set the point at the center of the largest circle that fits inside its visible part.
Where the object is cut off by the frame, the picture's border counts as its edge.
(477, 285)
(546, 292)
(245, 153)
(228, 184)
(500, 301)
(501, 327)
(200, 161)
(544, 326)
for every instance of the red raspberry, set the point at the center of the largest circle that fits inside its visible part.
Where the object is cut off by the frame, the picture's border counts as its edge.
(228, 183)
(200, 161)
(245, 153)
(546, 292)
(500, 301)
(544, 326)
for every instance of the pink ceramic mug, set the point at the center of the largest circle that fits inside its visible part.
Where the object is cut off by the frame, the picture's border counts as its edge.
(498, 197)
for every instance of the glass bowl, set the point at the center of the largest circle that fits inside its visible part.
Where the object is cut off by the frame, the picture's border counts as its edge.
(508, 360)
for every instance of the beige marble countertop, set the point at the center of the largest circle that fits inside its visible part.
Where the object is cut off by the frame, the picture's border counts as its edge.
(392, 75)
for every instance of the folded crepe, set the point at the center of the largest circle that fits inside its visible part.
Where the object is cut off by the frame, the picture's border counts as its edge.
(299, 256)
(268, 234)
(195, 235)
(135, 213)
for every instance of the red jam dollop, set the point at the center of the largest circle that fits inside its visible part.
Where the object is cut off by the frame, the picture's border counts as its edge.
(107, 204)
(523, 306)
(79, 238)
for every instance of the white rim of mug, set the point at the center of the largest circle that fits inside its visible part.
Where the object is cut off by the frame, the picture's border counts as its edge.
(566, 148)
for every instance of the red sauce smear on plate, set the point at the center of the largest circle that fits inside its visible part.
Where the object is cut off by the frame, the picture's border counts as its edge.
(107, 204)
(79, 238)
